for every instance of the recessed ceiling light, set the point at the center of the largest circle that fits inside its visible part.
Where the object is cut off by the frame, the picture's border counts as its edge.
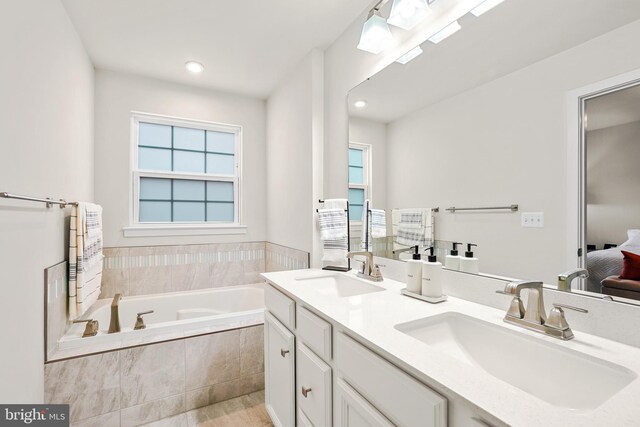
(485, 7)
(409, 55)
(450, 29)
(361, 103)
(194, 67)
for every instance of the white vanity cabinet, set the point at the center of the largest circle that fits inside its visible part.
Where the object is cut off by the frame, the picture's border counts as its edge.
(279, 355)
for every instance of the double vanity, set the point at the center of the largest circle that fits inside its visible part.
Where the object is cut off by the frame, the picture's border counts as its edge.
(341, 350)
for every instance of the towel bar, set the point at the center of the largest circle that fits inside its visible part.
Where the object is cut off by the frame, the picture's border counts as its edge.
(48, 201)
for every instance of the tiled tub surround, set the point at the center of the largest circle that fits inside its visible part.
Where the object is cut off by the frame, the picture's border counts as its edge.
(143, 384)
(158, 269)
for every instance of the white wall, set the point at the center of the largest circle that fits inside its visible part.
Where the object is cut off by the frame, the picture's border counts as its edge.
(46, 149)
(118, 94)
(613, 183)
(294, 135)
(375, 134)
(511, 149)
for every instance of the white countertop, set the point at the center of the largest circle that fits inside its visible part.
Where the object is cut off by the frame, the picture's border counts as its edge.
(373, 316)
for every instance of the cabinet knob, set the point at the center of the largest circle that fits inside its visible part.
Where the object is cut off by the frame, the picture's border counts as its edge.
(283, 352)
(305, 391)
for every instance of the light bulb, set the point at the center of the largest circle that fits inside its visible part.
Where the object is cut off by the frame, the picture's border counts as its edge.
(194, 67)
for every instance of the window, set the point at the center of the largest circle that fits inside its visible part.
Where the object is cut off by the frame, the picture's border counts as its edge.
(359, 178)
(185, 172)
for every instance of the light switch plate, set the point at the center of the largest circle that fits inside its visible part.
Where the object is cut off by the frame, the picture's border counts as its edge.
(532, 219)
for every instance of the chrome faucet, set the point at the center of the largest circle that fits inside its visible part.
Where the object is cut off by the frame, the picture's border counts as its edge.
(565, 279)
(114, 323)
(535, 317)
(369, 270)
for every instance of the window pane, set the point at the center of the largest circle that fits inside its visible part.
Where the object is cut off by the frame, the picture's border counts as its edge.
(188, 190)
(154, 135)
(221, 142)
(185, 211)
(356, 175)
(222, 212)
(355, 212)
(220, 191)
(189, 139)
(223, 164)
(186, 161)
(154, 159)
(155, 189)
(356, 196)
(155, 211)
(355, 157)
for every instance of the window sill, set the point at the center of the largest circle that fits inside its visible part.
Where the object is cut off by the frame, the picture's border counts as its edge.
(154, 230)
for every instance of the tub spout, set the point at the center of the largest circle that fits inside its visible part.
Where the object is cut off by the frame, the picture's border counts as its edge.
(114, 324)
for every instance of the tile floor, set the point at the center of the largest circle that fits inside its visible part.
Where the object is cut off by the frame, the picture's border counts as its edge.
(243, 411)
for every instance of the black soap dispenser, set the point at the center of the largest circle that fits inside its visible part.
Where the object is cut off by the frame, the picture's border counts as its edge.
(414, 272)
(469, 264)
(452, 261)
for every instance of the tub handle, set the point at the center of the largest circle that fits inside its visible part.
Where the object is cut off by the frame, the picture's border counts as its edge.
(283, 352)
(139, 321)
(305, 391)
(91, 329)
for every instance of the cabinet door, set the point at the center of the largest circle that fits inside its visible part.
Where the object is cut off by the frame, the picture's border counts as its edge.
(355, 411)
(279, 355)
(314, 387)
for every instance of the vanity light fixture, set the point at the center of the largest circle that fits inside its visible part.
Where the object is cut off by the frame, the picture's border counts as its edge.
(485, 7)
(412, 54)
(406, 14)
(376, 35)
(194, 67)
(450, 29)
(361, 103)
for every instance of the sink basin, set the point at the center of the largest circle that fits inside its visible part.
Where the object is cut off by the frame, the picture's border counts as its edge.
(560, 376)
(339, 285)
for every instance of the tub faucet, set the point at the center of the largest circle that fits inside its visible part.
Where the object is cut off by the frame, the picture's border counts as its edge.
(565, 279)
(114, 324)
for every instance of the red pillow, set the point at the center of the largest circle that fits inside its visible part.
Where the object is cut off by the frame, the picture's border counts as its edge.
(630, 266)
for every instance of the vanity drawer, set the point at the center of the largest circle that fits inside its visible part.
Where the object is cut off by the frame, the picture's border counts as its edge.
(398, 396)
(313, 388)
(314, 332)
(281, 306)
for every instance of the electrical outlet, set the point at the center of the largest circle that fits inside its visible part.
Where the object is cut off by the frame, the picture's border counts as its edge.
(532, 219)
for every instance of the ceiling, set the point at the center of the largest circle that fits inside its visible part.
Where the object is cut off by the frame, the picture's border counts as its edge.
(512, 36)
(246, 46)
(614, 109)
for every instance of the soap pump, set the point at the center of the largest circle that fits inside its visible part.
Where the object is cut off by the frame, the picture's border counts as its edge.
(452, 261)
(431, 276)
(469, 264)
(414, 272)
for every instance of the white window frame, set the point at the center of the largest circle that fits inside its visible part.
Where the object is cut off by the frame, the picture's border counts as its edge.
(366, 172)
(141, 229)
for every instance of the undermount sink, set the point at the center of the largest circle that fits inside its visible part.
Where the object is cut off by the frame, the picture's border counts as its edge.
(560, 376)
(339, 285)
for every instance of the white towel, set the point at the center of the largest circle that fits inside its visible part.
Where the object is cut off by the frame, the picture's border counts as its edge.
(378, 224)
(85, 257)
(335, 250)
(333, 224)
(412, 227)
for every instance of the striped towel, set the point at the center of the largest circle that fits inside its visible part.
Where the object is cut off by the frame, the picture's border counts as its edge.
(378, 224)
(412, 227)
(85, 257)
(333, 224)
(335, 250)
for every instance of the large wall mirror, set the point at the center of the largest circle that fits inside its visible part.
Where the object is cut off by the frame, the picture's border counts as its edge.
(480, 120)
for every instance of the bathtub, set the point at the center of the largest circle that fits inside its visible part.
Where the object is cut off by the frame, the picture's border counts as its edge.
(176, 315)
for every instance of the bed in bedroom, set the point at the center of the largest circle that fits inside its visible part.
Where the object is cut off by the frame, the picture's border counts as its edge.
(608, 262)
